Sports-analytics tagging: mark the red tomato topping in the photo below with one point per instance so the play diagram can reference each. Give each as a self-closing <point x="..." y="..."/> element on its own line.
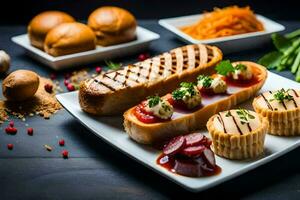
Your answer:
<point x="142" y="115"/>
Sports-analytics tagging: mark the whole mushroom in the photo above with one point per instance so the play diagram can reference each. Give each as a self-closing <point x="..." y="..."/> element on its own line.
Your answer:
<point x="4" y="62"/>
<point x="20" y="85"/>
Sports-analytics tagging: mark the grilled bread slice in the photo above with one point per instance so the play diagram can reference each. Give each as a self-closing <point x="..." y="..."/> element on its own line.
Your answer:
<point x="183" y="123"/>
<point x="114" y="92"/>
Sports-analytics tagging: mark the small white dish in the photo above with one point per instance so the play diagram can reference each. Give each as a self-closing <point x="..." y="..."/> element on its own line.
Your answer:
<point x="228" y="44"/>
<point x="110" y="129"/>
<point x="144" y="38"/>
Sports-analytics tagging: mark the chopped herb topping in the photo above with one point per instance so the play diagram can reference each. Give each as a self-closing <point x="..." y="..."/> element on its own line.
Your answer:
<point x="153" y="101"/>
<point x="205" y="80"/>
<point x="224" y="67"/>
<point x="186" y="89"/>
<point x="282" y="95"/>
<point x="240" y="67"/>
<point x="244" y="115"/>
<point x="228" y="114"/>
<point x="113" y="66"/>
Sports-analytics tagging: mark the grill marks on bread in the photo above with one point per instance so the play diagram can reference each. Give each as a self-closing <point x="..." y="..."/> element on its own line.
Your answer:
<point x="154" y="69"/>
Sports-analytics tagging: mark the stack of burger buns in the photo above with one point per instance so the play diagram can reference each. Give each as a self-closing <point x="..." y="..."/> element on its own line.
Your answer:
<point x="57" y="33"/>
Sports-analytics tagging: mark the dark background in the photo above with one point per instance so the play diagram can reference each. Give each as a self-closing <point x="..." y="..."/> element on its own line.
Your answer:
<point x="20" y="12"/>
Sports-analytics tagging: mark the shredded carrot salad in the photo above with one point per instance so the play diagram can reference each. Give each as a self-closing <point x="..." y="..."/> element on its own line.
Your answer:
<point x="224" y="22"/>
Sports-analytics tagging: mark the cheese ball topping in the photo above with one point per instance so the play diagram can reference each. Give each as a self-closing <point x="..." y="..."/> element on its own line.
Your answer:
<point x="159" y="107"/>
<point x="242" y="72"/>
<point x="216" y="84"/>
<point x="189" y="94"/>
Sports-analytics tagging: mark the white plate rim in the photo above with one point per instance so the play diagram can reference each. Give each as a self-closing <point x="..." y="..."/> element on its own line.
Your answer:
<point x="166" y="24"/>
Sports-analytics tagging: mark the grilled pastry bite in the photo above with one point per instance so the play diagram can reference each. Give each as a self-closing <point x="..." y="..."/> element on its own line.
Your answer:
<point x="114" y="92"/>
<point x="282" y="108"/>
<point x="208" y="84"/>
<point x="188" y="120"/>
<point x="238" y="134"/>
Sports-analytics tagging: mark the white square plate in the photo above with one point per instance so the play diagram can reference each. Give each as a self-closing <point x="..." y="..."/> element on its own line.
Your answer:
<point x="228" y="44"/>
<point x="144" y="37"/>
<point x="111" y="130"/>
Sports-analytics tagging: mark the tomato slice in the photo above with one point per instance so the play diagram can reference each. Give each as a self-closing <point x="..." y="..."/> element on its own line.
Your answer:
<point x="144" y="116"/>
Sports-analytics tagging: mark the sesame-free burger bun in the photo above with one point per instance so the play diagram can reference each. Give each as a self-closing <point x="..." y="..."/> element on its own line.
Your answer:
<point x="41" y="24"/>
<point x="112" y="25"/>
<point x="68" y="38"/>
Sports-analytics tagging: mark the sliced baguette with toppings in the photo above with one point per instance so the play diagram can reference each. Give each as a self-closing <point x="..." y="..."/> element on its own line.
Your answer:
<point x="183" y="123"/>
<point x="114" y="92"/>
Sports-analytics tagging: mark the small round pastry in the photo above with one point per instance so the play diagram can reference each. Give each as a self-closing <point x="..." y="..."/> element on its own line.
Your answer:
<point x="112" y="25"/>
<point x="4" y="62"/>
<point x="282" y="108"/>
<point x="68" y="38"/>
<point x="41" y="24"/>
<point x="20" y="85"/>
<point x="238" y="134"/>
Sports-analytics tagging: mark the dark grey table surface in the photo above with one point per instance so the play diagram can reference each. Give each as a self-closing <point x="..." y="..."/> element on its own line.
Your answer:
<point x="95" y="170"/>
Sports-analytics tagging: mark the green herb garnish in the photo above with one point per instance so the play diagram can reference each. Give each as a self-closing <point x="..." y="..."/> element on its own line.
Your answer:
<point x="153" y="101"/>
<point x="240" y="67"/>
<point x="224" y="67"/>
<point x="186" y="89"/>
<point x="113" y="66"/>
<point x="244" y="115"/>
<point x="286" y="55"/>
<point x="282" y="95"/>
<point x="206" y="80"/>
<point x="228" y="114"/>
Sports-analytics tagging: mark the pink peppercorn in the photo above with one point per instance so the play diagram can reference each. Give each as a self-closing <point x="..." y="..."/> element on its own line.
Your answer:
<point x="10" y="146"/>
<point x="11" y="124"/>
<point x="66" y="82"/>
<point x="65" y="154"/>
<point x="143" y="56"/>
<point x="70" y="87"/>
<point x="98" y="70"/>
<point x="30" y="131"/>
<point x="61" y="142"/>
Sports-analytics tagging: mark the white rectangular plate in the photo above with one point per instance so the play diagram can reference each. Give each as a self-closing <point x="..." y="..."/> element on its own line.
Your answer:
<point x="111" y="130"/>
<point x="228" y="44"/>
<point x="144" y="38"/>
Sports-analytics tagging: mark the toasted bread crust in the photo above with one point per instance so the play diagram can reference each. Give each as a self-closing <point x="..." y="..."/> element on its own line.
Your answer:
<point x="98" y="102"/>
<point x="151" y="133"/>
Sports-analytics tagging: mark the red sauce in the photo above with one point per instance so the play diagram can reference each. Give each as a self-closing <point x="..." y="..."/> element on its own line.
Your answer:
<point x="242" y="83"/>
<point x="187" y="166"/>
<point x="144" y="116"/>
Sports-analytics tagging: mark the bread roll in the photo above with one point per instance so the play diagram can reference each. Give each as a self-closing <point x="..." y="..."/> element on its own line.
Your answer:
<point x="41" y="24"/>
<point x="68" y="38"/>
<point x="112" y="25"/>
<point x="20" y="85"/>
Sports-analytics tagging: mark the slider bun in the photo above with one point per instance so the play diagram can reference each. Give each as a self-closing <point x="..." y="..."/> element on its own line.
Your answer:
<point x="112" y="25"/>
<point x="68" y="38"/>
<point x="41" y="24"/>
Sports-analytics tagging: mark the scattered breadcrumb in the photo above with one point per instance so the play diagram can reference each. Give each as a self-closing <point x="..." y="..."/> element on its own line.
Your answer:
<point x="42" y="103"/>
